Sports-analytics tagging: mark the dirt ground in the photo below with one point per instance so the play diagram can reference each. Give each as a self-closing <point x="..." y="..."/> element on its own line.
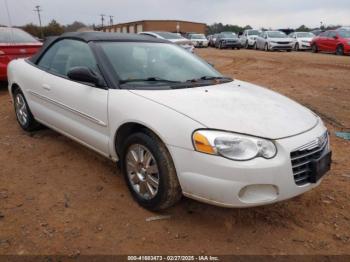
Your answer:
<point x="56" y="197"/>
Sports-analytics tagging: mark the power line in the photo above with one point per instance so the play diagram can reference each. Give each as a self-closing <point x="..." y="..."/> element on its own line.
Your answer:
<point x="38" y="10"/>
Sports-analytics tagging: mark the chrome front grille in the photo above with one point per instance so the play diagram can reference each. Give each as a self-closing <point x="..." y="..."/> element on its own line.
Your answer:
<point x="303" y="156"/>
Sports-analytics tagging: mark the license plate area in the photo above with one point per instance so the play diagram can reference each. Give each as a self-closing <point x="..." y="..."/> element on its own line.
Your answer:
<point x="320" y="167"/>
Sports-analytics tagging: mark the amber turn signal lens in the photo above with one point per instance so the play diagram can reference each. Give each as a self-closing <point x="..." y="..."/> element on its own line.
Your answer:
<point x="202" y="144"/>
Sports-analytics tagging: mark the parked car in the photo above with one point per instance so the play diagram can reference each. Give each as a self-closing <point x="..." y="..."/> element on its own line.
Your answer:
<point x="248" y="38"/>
<point x="15" y="43"/>
<point x="227" y="40"/>
<point x="175" y="124"/>
<point x="212" y="40"/>
<point x="274" y="40"/>
<point x="302" y="40"/>
<point x="334" y="41"/>
<point x="172" y="37"/>
<point x="316" y="32"/>
<point x="344" y="28"/>
<point x="199" y="40"/>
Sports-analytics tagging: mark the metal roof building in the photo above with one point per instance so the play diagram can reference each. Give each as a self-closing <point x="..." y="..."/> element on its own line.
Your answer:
<point x="175" y="26"/>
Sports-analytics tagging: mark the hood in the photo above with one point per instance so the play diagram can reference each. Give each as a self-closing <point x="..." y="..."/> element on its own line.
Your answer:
<point x="281" y="39"/>
<point x="199" y="40"/>
<point x="238" y="107"/>
<point x="229" y="39"/>
<point x="181" y="41"/>
<point x="309" y="39"/>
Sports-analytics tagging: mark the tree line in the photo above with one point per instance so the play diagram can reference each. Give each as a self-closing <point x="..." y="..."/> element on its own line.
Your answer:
<point x="219" y="27"/>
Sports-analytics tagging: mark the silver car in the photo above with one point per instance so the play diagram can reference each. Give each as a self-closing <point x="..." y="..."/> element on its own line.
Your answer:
<point x="249" y="37"/>
<point x="172" y="37"/>
<point x="274" y="40"/>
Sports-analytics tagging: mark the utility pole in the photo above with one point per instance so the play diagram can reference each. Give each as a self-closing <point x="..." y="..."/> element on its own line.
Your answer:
<point x="102" y="19"/>
<point x="111" y="19"/>
<point x="38" y="10"/>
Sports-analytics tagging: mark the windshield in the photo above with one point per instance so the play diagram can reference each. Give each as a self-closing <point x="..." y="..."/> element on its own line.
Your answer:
<point x="305" y="35"/>
<point x="167" y="35"/>
<point x="198" y="36"/>
<point x="228" y="35"/>
<point x="14" y="35"/>
<point x="141" y="63"/>
<point x="254" y="32"/>
<point x="344" y="34"/>
<point x="276" y="34"/>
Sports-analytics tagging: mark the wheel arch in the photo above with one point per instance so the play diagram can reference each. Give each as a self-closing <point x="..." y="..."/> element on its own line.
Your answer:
<point x="131" y="127"/>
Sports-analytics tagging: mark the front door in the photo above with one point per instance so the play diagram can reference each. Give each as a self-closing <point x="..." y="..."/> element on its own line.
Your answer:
<point x="76" y="109"/>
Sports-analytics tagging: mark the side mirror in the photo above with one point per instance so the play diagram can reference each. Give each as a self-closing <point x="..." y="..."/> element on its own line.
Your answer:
<point x="85" y="74"/>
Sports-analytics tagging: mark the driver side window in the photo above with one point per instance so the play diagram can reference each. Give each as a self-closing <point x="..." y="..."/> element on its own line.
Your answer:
<point x="66" y="54"/>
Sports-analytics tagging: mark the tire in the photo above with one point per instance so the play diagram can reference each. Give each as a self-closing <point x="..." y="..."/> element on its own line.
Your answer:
<point x="246" y="45"/>
<point x="220" y="45"/>
<point x="23" y="114"/>
<point x="255" y="46"/>
<point x="296" y="47"/>
<point x="314" y="48"/>
<point x="159" y="195"/>
<point x="266" y="48"/>
<point x="339" y="50"/>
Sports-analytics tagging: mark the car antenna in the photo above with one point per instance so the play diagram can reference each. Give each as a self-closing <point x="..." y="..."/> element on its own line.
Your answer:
<point x="9" y="20"/>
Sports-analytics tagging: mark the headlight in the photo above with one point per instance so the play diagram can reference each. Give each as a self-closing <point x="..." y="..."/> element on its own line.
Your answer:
<point x="233" y="146"/>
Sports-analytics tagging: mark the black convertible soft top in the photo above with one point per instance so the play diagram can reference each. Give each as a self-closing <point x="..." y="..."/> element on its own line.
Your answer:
<point x="96" y="36"/>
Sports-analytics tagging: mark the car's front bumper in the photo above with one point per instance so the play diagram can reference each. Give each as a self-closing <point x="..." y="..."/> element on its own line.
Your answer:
<point x="305" y="45"/>
<point x="223" y="182"/>
<point x="231" y="44"/>
<point x="200" y="43"/>
<point x="276" y="46"/>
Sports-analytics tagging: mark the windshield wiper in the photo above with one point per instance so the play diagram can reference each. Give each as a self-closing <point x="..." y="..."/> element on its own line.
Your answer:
<point x="205" y="78"/>
<point x="149" y="79"/>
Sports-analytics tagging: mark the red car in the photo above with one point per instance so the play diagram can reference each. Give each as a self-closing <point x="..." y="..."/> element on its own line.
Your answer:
<point x="15" y="43"/>
<point x="337" y="42"/>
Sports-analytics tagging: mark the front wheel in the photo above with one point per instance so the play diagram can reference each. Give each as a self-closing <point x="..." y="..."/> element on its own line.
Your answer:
<point x="296" y="48"/>
<point x="314" y="48"/>
<point x="266" y="47"/>
<point x="340" y="50"/>
<point x="149" y="172"/>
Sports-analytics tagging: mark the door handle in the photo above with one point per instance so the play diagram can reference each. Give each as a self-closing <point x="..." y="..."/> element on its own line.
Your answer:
<point x="46" y="87"/>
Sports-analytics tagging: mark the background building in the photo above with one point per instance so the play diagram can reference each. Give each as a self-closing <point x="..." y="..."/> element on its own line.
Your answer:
<point x="174" y="26"/>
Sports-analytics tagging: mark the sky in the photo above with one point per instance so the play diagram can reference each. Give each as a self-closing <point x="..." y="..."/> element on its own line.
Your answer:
<point x="257" y="13"/>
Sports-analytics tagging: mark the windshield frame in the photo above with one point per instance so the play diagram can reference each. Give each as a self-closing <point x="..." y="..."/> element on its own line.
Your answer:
<point x="114" y="80"/>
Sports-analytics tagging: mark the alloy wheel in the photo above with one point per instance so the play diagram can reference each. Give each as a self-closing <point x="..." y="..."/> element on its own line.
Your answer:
<point x="340" y="50"/>
<point x="21" y="110"/>
<point x="142" y="171"/>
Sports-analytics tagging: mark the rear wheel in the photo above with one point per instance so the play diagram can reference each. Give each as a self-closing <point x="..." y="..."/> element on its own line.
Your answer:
<point x="149" y="171"/>
<point x="246" y="45"/>
<point x="340" y="50"/>
<point x="314" y="48"/>
<point x="23" y="114"/>
<point x="255" y="46"/>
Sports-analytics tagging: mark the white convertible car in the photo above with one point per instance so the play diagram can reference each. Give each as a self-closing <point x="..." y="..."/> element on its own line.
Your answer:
<point x="177" y="126"/>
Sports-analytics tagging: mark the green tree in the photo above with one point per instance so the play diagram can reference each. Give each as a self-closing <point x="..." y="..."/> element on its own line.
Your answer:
<point x="53" y="29"/>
